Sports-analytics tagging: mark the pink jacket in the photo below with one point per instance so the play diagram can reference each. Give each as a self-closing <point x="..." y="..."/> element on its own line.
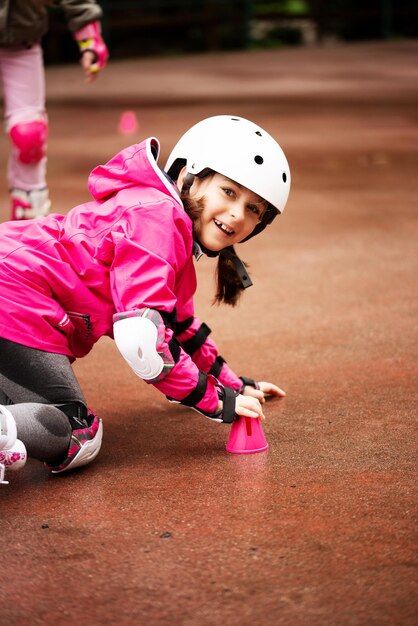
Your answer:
<point x="62" y="278"/>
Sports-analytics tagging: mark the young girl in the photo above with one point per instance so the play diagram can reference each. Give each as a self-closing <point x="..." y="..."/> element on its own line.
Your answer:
<point x="22" y="25"/>
<point x="122" y="266"/>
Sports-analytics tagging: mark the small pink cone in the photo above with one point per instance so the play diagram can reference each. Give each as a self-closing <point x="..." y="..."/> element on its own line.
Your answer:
<point x="246" y="436"/>
<point x="128" y="123"/>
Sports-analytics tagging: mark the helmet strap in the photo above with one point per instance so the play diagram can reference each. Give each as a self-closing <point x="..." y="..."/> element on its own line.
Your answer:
<point x="205" y="250"/>
<point x="187" y="183"/>
<point x="229" y="253"/>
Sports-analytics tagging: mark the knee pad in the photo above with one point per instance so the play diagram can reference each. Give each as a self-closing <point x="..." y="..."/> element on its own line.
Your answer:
<point x="30" y="139"/>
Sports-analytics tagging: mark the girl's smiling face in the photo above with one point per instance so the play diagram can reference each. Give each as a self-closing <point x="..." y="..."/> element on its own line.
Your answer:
<point x="230" y="211"/>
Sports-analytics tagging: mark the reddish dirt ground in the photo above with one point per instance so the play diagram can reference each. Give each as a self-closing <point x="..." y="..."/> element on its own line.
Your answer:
<point x="166" y="527"/>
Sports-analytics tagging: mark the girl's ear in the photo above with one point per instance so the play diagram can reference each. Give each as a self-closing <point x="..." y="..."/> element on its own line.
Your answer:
<point x="180" y="178"/>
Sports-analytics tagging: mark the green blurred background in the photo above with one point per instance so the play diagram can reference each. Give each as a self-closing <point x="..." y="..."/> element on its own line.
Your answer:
<point x="169" y="27"/>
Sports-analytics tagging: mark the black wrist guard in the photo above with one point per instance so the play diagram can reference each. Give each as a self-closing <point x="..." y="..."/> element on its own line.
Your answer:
<point x="250" y="382"/>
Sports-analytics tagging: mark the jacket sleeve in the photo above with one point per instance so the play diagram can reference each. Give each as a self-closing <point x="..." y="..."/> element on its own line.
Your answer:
<point x="193" y="336"/>
<point x="78" y="13"/>
<point x="153" y="266"/>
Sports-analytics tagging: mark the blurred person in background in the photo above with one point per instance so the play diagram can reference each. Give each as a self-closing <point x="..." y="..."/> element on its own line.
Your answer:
<point x="22" y="26"/>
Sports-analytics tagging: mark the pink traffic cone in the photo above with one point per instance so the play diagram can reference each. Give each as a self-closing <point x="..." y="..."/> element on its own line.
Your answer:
<point x="246" y="436"/>
<point x="128" y="123"/>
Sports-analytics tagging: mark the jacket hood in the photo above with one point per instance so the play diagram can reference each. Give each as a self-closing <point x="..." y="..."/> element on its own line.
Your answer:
<point x="133" y="166"/>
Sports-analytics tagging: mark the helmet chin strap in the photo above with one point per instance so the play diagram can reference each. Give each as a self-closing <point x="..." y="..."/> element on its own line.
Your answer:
<point x="227" y="252"/>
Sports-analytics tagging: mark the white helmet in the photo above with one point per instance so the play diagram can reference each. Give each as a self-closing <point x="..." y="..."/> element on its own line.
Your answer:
<point x="240" y="150"/>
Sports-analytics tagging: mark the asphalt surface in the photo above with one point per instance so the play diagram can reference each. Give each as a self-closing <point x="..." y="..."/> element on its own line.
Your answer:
<point x="167" y="527"/>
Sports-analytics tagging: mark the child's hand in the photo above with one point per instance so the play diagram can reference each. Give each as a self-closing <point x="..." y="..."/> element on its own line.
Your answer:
<point x="94" y="53"/>
<point x="87" y="63"/>
<point x="248" y="407"/>
<point x="266" y="390"/>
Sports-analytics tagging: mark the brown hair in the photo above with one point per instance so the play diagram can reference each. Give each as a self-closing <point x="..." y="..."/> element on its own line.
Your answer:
<point x="229" y="287"/>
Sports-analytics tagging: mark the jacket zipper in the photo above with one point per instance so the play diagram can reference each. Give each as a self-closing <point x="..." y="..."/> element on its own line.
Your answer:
<point x="86" y="319"/>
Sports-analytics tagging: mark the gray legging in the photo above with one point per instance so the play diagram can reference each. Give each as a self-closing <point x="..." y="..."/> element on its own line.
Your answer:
<point x="33" y="384"/>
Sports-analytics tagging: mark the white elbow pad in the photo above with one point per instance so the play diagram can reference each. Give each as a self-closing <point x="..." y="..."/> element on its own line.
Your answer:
<point x="136" y="339"/>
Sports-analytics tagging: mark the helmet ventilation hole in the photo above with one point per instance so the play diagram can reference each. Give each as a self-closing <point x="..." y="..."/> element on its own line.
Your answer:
<point x="259" y="159"/>
<point x="284" y="177"/>
<point x="257" y="132"/>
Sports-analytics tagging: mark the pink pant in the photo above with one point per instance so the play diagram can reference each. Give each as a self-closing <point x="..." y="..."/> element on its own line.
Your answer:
<point x="23" y="81"/>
